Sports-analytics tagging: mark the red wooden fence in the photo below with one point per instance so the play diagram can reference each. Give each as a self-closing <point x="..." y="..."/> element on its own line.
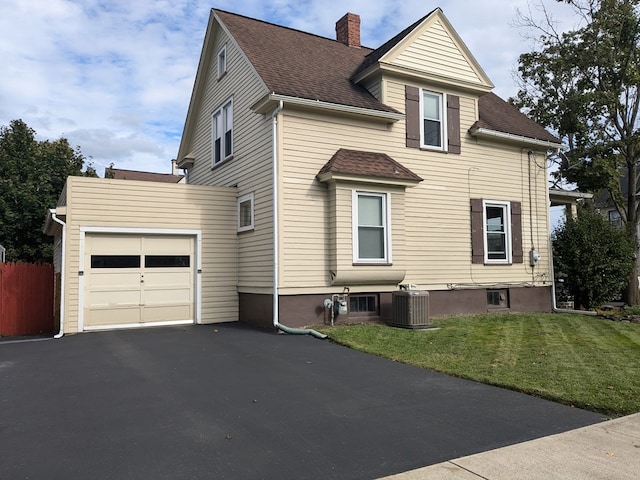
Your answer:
<point x="26" y="299"/>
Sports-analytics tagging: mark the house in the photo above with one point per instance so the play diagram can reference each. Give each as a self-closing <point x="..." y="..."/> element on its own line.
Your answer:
<point x="122" y="174"/>
<point x="320" y="169"/>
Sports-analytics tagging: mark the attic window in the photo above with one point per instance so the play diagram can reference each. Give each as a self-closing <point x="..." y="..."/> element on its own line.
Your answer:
<point x="222" y="61"/>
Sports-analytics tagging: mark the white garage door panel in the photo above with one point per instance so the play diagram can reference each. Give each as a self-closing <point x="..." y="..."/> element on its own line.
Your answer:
<point x="137" y="279"/>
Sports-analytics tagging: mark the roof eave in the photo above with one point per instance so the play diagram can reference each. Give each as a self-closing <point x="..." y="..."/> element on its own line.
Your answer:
<point x="512" y="138"/>
<point x="269" y="102"/>
<point x="331" y="177"/>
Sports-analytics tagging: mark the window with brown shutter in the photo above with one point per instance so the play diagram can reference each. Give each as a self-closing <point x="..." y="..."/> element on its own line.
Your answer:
<point x="423" y="125"/>
<point x="496" y="232"/>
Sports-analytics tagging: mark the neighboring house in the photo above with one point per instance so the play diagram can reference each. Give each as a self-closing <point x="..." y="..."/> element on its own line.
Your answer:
<point x="121" y="174"/>
<point x="350" y="171"/>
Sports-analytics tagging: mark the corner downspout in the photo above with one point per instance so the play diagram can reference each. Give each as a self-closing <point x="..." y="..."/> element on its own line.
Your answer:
<point x="63" y="266"/>
<point x="276" y="259"/>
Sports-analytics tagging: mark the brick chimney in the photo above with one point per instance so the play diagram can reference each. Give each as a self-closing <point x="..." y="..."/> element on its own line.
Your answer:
<point x="348" y="30"/>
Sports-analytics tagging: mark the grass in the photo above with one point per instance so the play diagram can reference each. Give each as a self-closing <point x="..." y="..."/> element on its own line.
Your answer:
<point x="587" y="362"/>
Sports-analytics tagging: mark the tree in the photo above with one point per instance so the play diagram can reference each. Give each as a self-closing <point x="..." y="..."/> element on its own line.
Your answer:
<point x="32" y="176"/>
<point x="585" y="85"/>
<point x="595" y="256"/>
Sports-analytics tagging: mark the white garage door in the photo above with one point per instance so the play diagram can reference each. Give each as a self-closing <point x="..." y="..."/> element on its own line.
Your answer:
<point x="136" y="280"/>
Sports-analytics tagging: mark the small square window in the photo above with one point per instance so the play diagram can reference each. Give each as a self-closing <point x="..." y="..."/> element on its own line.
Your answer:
<point x="363" y="305"/>
<point x="222" y="61"/>
<point x="498" y="298"/>
<point x="245" y="212"/>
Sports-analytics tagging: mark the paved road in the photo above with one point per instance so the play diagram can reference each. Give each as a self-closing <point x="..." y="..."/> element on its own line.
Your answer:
<point x="233" y="402"/>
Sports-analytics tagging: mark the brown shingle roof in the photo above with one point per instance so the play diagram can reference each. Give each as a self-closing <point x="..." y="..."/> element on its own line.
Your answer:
<point x="300" y="64"/>
<point x="120" y="174"/>
<point x="370" y="164"/>
<point x="498" y="115"/>
<point x="303" y="65"/>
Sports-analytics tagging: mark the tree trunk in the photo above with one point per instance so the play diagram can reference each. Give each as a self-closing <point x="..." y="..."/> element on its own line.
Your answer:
<point x="631" y="295"/>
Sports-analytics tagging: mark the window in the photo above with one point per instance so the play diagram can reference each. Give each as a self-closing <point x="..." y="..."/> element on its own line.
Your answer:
<point x="496" y="231"/>
<point x="222" y="126"/>
<point x="615" y="219"/>
<point x="222" y="61"/>
<point x="432" y="120"/>
<point x="432" y="125"/>
<point x="371" y="239"/>
<point x="115" y="261"/>
<point x="245" y="212"/>
<point x="498" y="298"/>
<point x="497" y="237"/>
<point x="363" y="305"/>
<point x="167" y="261"/>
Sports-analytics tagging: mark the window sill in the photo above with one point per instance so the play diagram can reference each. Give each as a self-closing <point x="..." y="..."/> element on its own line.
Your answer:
<point x="372" y="264"/>
<point x="222" y="162"/>
<point x="246" y="230"/>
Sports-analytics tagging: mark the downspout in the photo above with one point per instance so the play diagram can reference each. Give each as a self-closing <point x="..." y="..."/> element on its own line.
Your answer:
<point x="63" y="267"/>
<point x="276" y="260"/>
<point x="554" y="308"/>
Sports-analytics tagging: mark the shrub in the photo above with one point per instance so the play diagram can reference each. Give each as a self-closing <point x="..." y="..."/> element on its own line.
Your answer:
<point x="595" y="257"/>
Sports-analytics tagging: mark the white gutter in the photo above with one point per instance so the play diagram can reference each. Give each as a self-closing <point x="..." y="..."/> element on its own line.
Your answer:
<point x="63" y="267"/>
<point x="305" y="102"/>
<point x="485" y="132"/>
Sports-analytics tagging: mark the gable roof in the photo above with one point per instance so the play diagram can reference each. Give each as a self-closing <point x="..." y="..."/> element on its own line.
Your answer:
<point x="304" y="68"/>
<point x="120" y="174"/>
<point x="301" y="65"/>
<point x="366" y="164"/>
<point x="379" y="52"/>
<point x="499" y="116"/>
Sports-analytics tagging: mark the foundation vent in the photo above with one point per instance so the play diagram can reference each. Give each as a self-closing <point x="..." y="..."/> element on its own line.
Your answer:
<point x="410" y="309"/>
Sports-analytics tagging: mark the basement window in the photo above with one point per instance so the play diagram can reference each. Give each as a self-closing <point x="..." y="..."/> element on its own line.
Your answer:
<point x="363" y="305"/>
<point x="498" y="298"/>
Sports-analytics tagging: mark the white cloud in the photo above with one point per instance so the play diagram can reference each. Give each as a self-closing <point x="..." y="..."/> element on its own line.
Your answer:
<point x="115" y="76"/>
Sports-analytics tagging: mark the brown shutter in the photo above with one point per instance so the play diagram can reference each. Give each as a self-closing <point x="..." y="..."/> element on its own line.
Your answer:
<point x="516" y="232"/>
<point x="412" y="111"/>
<point x="453" y="123"/>
<point x="477" y="231"/>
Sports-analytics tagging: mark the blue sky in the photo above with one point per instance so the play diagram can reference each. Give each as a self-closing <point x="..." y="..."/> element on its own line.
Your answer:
<point x="115" y="76"/>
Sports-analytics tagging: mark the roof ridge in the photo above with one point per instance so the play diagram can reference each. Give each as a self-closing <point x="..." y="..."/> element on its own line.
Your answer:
<point x="297" y="30"/>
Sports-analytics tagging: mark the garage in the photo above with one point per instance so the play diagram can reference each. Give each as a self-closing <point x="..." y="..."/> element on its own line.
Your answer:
<point x="133" y="280"/>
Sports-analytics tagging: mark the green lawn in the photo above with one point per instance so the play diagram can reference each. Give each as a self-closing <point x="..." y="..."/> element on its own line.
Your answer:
<point x="579" y="360"/>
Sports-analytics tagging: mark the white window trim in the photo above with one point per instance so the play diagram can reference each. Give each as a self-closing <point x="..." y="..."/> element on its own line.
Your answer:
<point x="508" y="233"/>
<point x="222" y="54"/>
<point x="443" y="120"/>
<point x="221" y="111"/>
<point x="386" y="205"/>
<point x="244" y="198"/>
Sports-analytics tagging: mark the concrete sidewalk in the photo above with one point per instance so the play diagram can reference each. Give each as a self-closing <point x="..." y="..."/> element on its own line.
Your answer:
<point x="607" y="450"/>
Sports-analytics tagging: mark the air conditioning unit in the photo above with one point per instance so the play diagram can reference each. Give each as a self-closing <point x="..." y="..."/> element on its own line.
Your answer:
<point x="410" y="309"/>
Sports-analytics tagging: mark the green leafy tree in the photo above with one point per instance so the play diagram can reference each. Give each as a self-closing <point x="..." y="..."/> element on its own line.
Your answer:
<point x="594" y="256"/>
<point x="585" y="85"/>
<point x="32" y="176"/>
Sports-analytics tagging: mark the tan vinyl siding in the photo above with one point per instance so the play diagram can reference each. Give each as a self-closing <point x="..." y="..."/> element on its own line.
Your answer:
<point x="436" y="52"/>
<point x="95" y="202"/>
<point x="250" y="169"/>
<point x="433" y="219"/>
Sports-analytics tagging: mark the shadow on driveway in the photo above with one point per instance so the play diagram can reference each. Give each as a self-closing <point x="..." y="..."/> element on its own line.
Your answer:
<point x="232" y="402"/>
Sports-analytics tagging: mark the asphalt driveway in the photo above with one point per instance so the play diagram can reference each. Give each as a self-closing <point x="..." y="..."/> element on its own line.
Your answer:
<point x="233" y="402"/>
